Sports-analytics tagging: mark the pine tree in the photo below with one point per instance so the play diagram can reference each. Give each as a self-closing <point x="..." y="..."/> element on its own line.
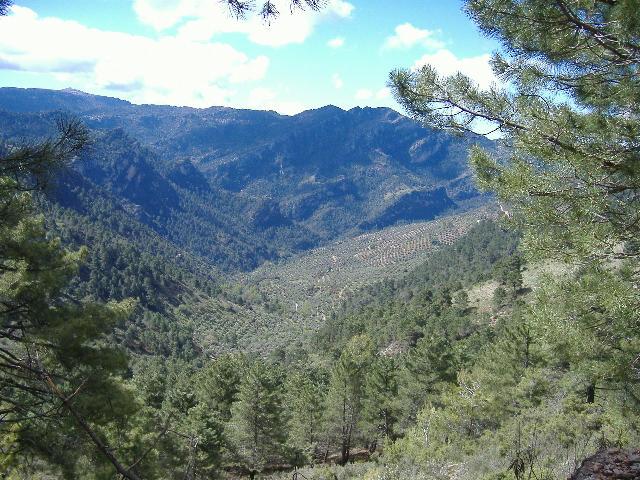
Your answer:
<point x="508" y="272"/>
<point x="305" y="396"/>
<point x="428" y="366"/>
<point x="345" y="395"/>
<point x="257" y="427"/>
<point x="217" y="384"/>
<point x="381" y="409"/>
<point x="58" y="375"/>
<point x="590" y="325"/>
<point x="569" y="111"/>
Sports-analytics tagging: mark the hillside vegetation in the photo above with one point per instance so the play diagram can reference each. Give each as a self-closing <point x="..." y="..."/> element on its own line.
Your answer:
<point x="239" y="187"/>
<point x="219" y="293"/>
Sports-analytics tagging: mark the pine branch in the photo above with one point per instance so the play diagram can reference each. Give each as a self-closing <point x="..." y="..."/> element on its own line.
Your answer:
<point x="240" y="9"/>
<point x="103" y="447"/>
<point x="5" y="5"/>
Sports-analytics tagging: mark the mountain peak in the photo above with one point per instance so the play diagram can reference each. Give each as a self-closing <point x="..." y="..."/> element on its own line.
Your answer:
<point x="75" y="91"/>
<point x="329" y="108"/>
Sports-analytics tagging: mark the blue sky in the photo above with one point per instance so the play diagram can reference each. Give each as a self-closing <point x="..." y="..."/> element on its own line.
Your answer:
<point x="191" y="52"/>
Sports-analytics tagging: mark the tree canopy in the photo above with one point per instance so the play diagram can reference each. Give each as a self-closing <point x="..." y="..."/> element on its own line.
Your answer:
<point x="419" y="374"/>
<point x="567" y="104"/>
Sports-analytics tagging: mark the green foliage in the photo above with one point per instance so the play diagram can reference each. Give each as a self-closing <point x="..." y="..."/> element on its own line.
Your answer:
<point x="305" y="400"/>
<point x="346" y="392"/>
<point x="129" y="260"/>
<point x="508" y="272"/>
<point x="593" y="327"/>
<point x="408" y="367"/>
<point x="217" y="383"/>
<point x="569" y="110"/>
<point x="59" y="377"/>
<point x="257" y="428"/>
<point x="428" y="366"/>
<point x="381" y="409"/>
<point x="558" y="376"/>
<point x="397" y="310"/>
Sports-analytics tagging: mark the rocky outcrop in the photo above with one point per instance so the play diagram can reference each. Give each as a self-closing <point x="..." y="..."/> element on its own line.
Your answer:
<point x="609" y="464"/>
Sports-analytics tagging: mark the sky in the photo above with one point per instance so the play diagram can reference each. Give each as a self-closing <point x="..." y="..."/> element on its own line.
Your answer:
<point x="194" y="53"/>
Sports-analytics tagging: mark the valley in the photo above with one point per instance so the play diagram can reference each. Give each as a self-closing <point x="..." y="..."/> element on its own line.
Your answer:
<point x="286" y="303"/>
<point x="239" y="187"/>
<point x="234" y="293"/>
<point x="252" y="227"/>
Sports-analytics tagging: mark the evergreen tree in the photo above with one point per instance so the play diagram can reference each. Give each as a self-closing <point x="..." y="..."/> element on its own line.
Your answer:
<point x="58" y="375"/>
<point x="196" y="429"/>
<point x="380" y="411"/>
<point x="506" y="365"/>
<point x="569" y="109"/>
<point x="568" y="112"/>
<point x="500" y="297"/>
<point x="428" y="366"/>
<point x="257" y="428"/>
<point x="305" y="396"/>
<point x="589" y="324"/>
<point x="508" y="272"/>
<point x="218" y="383"/>
<point x="345" y="395"/>
<point x="460" y="301"/>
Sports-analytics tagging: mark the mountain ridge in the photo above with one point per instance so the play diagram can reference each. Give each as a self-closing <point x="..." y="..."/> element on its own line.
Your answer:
<point x="256" y="183"/>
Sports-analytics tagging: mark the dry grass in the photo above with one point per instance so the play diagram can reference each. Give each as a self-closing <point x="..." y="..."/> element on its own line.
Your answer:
<point x="481" y="296"/>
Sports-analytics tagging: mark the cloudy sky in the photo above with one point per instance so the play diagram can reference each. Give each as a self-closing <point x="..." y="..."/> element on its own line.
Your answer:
<point x="192" y="52"/>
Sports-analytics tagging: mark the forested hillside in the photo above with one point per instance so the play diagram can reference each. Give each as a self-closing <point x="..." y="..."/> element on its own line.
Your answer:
<point x="154" y="195"/>
<point x="300" y="181"/>
<point x="235" y="294"/>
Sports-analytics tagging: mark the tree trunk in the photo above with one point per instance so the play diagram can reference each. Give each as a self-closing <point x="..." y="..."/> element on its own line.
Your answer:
<point x="346" y="446"/>
<point x="591" y="393"/>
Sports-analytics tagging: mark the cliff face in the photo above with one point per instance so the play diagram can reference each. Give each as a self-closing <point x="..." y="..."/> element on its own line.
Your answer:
<point x="613" y="463"/>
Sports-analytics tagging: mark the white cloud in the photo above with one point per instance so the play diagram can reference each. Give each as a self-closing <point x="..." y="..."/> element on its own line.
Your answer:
<point x="201" y="20"/>
<point x="447" y="63"/>
<point x="168" y="69"/>
<point x="337" y="81"/>
<point x="251" y="70"/>
<point x="407" y="36"/>
<point x="364" y="94"/>
<point x="336" y="42"/>
<point x="341" y="8"/>
<point x="383" y="93"/>
<point x="266" y="99"/>
<point x="161" y="14"/>
<point x="261" y="95"/>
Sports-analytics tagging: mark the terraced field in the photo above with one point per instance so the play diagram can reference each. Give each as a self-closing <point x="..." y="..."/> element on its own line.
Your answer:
<point x="305" y="289"/>
<point x="321" y="278"/>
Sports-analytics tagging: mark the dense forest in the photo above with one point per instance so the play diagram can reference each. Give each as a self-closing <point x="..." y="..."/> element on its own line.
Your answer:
<point x="135" y="344"/>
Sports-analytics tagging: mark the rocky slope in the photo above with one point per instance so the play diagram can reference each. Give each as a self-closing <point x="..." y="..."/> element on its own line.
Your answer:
<point x="613" y="463"/>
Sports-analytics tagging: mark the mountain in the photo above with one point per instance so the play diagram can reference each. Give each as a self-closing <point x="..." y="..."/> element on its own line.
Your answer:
<point x="238" y="187"/>
<point x="175" y="203"/>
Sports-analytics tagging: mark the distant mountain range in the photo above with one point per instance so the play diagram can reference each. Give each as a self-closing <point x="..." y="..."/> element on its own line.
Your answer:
<point x="238" y="187"/>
